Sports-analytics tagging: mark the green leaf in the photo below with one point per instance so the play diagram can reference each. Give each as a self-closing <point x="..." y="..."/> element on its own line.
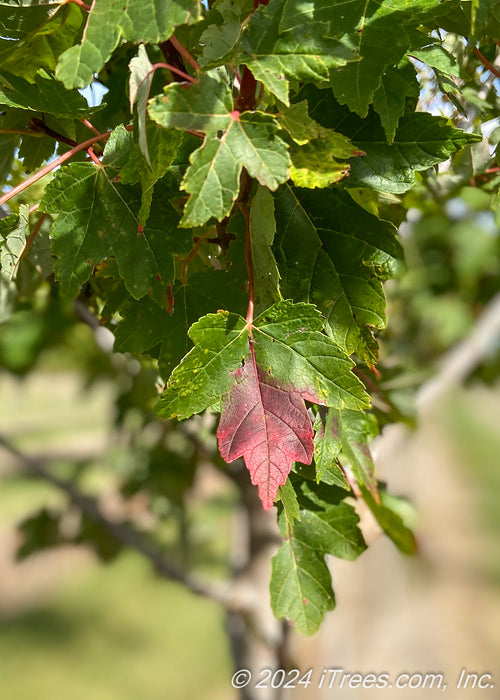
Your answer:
<point x="301" y="587"/>
<point x="421" y="141"/>
<point x="152" y="21"/>
<point x="262" y="230"/>
<point x="354" y="430"/>
<point x="221" y="37"/>
<point x="78" y="233"/>
<point x="347" y="255"/>
<point x="141" y="77"/>
<point x="123" y="151"/>
<point x="213" y="178"/>
<point x="205" y="106"/>
<point x="314" y="165"/>
<point x="45" y="95"/>
<point x="145" y="324"/>
<point x="315" y="151"/>
<point x="287" y="496"/>
<point x="221" y="343"/>
<point x="148" y="21"/>
<point x="34" y="151"/>
<point x="305" y="54"/>
<point x="387" y="515"/>
<point x="289" y="344"/>
<point x="13" y="233"/>
<point x="302" y="129"/>
<point x="96" y="218"/>
<point x="33" y="35"/>
<point x="327" y="447"/>
<point x="301" y="583"/>
<point x="377" y="31"/>
<point x="39" y="531"/>
<point x="389" y="99"/>
<point x="437" y="57"/>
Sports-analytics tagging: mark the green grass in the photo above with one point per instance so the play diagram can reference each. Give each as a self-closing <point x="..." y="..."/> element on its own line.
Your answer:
<point x="118" y="633"/>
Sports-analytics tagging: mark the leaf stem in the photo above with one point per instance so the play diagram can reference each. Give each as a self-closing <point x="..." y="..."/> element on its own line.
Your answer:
<point x="52" y="166"/>
<point x="172" y="69"/>
<point x="184" y="53"/>
<point x="248" y="258"/>
<point x="486" y="63"/>
<point x="93" y="157"/>
<point x="39" y="125"/>
<point x="90" y="126"/>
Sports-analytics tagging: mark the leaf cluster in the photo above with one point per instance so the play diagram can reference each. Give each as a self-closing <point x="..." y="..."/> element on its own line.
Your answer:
<point x="230" y="213"/>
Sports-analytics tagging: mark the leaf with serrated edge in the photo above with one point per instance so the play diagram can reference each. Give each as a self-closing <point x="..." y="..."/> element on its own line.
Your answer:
<point x="314" y="165"/>
<point x="97" y="217"/>
<point x="301" y="583"/>
<point x="289" y="344"/>
<point x="262" y="230"/>
<point x="421" y="141"/>
<point x="12" y="245"/>
<point x="287" y="357"/>
<point x="149" y="21"/>
<point x="141" y="77"/>
<point x="266" y="424"/>
<point x="327" y="448"/>
<point x="377" y="31"/>
<point x="213" y="178"/>
<point x="354" y="429"/>
<point x="348" y="253"/>
<point x="206" y="106"/>
<point x="304" y="54"/>
<point x="203" y="376"/>
<point x="45" y="95"/>
<point x="389" y="99"/>
<point x="42" y="31"/>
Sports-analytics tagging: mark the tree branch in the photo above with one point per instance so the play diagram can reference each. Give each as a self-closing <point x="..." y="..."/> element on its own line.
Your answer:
<point x="487" y="63"/>
<point x="184" y="53"/>
<point x="461" y="360"/>
<point x="224" y="593"/>
<point x="54" y="164"/>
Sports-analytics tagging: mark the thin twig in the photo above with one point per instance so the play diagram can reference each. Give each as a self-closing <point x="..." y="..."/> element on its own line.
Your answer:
<point x="90" y="126"/>
<point x="458" y="363"/>
<point x="248" y="258"/>
<point x="184" y="53"/>
<point x="487" y="63"/>
<point x="93" y="157"/>
<point x="127" y="535"/>
<point x="39" y="125"/>
<point x="51" y="166"/>
<point x="172" y="69"/>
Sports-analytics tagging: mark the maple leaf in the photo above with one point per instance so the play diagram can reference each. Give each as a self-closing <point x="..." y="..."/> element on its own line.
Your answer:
<point x="266" y="424"/>
<point x="262" y="379"/>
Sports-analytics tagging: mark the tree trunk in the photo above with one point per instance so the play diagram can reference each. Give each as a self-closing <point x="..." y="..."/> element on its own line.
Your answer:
<point x="258" y="639"/>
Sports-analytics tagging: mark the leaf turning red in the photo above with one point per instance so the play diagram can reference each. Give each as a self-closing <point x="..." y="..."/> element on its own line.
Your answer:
<point x="266" y="424"/>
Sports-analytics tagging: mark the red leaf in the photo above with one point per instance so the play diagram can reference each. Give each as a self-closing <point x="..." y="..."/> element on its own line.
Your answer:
<point x="267" y="425"/>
